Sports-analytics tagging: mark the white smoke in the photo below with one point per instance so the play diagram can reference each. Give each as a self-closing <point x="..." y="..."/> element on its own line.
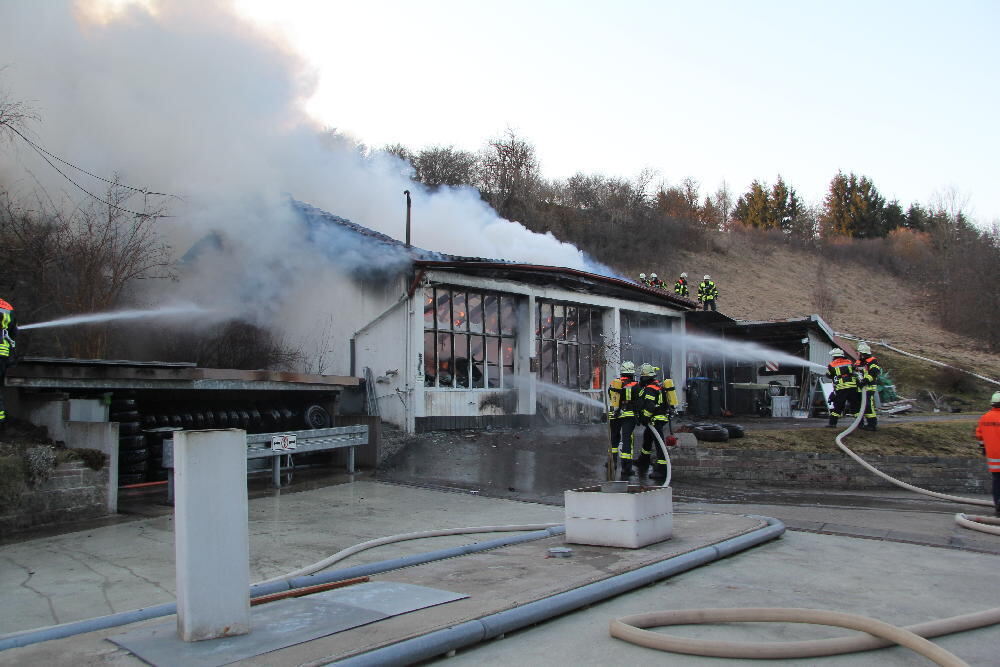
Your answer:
<point x="186" y="97"/>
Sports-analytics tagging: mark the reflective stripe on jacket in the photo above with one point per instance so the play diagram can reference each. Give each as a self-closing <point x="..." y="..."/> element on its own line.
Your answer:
<point x="654" y="408"/>
<point x="8" y="329"/>
<point x="707" y="291"/>
<point x="988" y="433"/>
<point x="841" y="371"/>
<point x="681" y="287"/>
<point x="868" y="368"/>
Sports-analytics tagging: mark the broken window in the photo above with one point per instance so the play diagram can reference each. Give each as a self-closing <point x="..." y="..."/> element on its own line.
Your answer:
<point x="468" y="338"/>
<point x="568" y="341"/>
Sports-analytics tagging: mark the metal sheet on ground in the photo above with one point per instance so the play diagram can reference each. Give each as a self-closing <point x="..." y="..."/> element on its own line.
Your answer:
<point x="285" y="623"/>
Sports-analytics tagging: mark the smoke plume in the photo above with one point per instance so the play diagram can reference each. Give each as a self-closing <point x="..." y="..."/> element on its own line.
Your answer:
<point x="186" y="97"/>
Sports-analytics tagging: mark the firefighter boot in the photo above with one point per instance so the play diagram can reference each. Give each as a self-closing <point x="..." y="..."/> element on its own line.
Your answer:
<point x="832" y="423"/>
<point x="872" y="424"/>
<point x="627" y="470"/>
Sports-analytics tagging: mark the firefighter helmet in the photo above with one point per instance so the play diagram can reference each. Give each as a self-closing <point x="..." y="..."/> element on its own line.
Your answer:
<point x="647" y="370"/>
<point x="836" y="352"/>
<point x="684" y="274"/>
<point x="628" y="368"/>
<point x="996" y="398"/>
<point x="642" y="276"/>
<point x="864" y="348"/>
<point x="707" y="277"/>
<point x="653" y="276"/>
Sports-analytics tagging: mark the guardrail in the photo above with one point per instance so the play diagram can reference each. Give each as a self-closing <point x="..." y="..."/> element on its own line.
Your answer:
<point x="276" y="445"/>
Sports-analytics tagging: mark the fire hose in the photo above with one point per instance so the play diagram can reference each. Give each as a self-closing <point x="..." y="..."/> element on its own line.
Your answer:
<point x="880" y="634"/>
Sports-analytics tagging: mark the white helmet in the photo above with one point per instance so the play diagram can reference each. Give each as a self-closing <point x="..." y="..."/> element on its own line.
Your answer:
<point x="864" y="348"/>
<point x="836" y="352"/>
<point x="996" y="398"/>
<point x="628" y="368"/>
<point x="652" y="275"/>
<point x="642" y="276"/>
<point x="683" y="275"/>
<point x="647" y="370"/>
<point x="708" y="277"/>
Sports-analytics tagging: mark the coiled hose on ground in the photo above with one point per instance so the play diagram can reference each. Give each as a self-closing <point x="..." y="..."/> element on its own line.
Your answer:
<point x="880" y="634"/>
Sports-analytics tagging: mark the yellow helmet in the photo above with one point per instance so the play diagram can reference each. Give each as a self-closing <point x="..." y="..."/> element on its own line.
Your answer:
<point x="836" y="352"/>
<point x="647" y="370"/>
<point x="628" y="368"/>
<point x="864" y="348"/>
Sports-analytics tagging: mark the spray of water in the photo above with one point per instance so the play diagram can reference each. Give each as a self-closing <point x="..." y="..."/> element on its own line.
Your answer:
<point x="721" y="348"/>
<point x="567" y="394"/>
<point x="94" y="318"/>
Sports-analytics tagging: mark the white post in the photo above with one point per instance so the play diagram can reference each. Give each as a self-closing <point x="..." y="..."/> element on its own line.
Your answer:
<point x="211" y="534"/>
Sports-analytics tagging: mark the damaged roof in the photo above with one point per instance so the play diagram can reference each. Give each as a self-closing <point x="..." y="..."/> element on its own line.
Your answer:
<point x="574" y="279"/>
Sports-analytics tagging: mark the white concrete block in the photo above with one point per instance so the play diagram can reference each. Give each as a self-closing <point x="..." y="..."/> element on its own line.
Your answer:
<point x="634" y="519"/>
<point x="211" y="534"/>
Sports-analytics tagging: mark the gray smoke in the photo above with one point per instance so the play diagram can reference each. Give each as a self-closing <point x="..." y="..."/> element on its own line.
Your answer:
<point x="188" y="98"/>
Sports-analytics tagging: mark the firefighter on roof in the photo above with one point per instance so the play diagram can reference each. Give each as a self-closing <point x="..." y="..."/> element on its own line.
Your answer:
<point x="708" y="293"/>
<point x="681" y="286"/>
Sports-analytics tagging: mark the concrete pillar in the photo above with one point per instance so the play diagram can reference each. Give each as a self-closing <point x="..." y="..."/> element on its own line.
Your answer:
<point x="104" y="437"/>
<point x="211" y="534"/>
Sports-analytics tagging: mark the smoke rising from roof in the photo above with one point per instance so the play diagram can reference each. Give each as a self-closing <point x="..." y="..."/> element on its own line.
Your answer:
<point x="186" y="97"/>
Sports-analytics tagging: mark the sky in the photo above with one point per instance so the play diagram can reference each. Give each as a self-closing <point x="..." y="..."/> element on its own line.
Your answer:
<point x="904" y="92"/>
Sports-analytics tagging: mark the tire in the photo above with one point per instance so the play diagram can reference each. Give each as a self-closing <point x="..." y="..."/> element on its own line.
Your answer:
<point x="133" y="455"/>
<point x="129" y="428"/>
<point x="735" y="430"/>
<point x="711" y="433"/>
<point x="134" y="467"/>
<point x="131" y="442"/>
<point x="131" y="478"/>
<point x="316" y="416"/>
<point x="124" y="416"/>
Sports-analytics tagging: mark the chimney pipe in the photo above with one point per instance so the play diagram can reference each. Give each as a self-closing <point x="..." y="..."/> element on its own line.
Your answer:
<point x="408" y="205"/>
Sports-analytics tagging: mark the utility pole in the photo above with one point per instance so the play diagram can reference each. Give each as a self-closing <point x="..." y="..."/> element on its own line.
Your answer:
<point x="408" y="206"/>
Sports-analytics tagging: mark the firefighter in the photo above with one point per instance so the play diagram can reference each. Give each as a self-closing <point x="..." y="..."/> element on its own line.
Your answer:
<point x="845" y="386"/>
<point x="656" y="409"/>
<point x="626" y="416"/>
<point x="621" y="416"/>
<point x="708" y="293"/>
<point x="655" y="282"/>
<point x="8" y="332"/>
<point x="681" y="286"/>
<point x="988" y="435"/>
<point x="643" y="280"/>
<point x="868" y="370"/>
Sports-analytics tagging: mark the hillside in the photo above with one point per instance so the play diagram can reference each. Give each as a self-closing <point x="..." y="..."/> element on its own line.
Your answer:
<point x="763" y="281"/>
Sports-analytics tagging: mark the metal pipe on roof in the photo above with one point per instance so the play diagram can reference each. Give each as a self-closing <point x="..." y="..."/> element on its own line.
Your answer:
<point x="408" y="207"/>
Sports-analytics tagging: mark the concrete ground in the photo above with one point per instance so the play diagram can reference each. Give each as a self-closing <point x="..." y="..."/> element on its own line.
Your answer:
<point x="878" y="556"/>
<point x="892" y="554"/>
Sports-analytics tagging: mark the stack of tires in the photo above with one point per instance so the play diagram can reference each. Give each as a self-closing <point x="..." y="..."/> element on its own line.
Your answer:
<point x="133" y="454"/>
<point x="710" y="432"/>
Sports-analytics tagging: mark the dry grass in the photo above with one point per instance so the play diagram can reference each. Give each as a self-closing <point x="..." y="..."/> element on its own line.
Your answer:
<point x="946" y="438"/>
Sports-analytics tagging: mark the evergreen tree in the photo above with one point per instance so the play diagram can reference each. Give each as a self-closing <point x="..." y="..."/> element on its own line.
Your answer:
<point x="853" y="207"/>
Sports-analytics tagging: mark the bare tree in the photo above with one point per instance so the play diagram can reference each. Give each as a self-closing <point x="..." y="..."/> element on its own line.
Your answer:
<point x="509" y="175"/>
<point x="445" y="165"/>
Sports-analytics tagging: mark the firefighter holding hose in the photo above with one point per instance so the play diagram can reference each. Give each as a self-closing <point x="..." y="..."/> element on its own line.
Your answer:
<point x="868" y="372"/>
<point x="657" y="401"/>
<point x="845" y="397"/>
<point x="988" y="435"/>
<point x="8" y="332"/>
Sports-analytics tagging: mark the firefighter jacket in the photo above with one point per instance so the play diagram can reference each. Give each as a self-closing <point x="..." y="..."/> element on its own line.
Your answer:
<point x="8" y="329"/>
<point x="868" y="369"/>
<point x="841" y="371"/>
<point x="623" y="395"/>
<point x="988" y="435"/>
<point x="707" y="291"/>
<point x="681" y="287"/>
<point x="654" y="406"/>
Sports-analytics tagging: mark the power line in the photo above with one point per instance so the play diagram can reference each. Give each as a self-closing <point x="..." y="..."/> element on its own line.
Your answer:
<point x="45" y="156"/>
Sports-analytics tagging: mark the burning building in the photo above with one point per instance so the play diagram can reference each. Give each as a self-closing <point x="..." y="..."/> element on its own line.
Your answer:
<point x="464" y="342"/>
